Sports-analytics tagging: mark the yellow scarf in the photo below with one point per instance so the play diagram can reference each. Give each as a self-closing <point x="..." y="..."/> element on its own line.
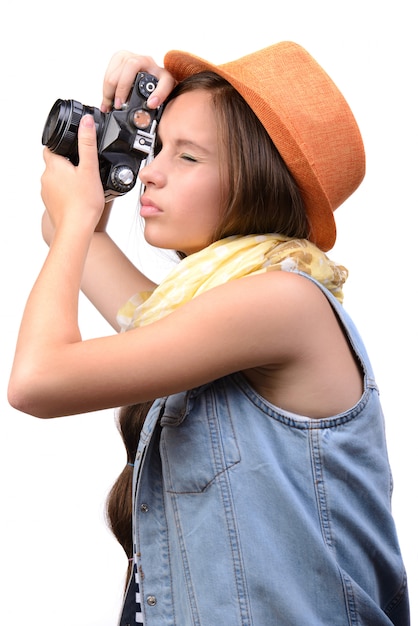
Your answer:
<point x="225" y="260"/>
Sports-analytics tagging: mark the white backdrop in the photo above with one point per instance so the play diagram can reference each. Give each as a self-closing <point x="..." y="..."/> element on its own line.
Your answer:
<point x="59" y="563"/>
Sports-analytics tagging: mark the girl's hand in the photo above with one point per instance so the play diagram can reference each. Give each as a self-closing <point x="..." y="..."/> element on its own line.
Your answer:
<point x="120" y="75"/>
<point x="70" y="191"/>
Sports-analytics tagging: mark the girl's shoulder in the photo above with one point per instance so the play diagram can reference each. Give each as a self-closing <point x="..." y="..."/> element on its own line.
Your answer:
<point x="309" y="367"/>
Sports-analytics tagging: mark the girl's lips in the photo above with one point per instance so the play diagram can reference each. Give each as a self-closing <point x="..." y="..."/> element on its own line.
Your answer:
<point x="148" y="208"/>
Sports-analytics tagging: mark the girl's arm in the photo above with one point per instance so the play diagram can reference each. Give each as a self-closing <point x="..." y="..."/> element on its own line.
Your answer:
<point x="109" y="278"/>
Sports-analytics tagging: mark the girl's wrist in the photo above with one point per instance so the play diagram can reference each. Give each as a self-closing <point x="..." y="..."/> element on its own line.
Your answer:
<point x="103" y="221"/>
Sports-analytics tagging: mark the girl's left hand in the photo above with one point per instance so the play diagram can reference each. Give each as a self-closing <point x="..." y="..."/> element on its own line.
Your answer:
<point x="70" y="191"/>
<point x="120" y="75"/>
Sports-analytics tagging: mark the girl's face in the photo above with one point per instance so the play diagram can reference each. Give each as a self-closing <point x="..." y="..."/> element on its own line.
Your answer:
<point x="181" y="203"/>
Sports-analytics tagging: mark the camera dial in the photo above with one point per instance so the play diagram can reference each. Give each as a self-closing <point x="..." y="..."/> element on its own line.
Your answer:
<point x="123" y="178"/>
<point x="141" y="119"/>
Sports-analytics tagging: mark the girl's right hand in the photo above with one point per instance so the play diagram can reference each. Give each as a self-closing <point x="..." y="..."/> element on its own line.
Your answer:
<point x="120" y="76"/>
<point x="74" y="192"/>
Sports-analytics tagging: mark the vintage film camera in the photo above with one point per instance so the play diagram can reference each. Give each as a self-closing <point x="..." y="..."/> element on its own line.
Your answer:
<point x="125" y="137"/>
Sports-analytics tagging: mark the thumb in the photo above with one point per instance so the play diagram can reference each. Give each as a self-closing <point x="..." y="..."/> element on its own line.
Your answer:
<point x="87" y="141"/>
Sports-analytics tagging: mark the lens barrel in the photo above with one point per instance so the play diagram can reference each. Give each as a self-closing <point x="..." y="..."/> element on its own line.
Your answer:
<point x="61" y="127"/>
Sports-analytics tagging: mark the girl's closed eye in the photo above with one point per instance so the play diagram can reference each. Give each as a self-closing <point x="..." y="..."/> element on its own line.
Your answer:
<point x="189" y="157"/>
<point x="158" y="146"/>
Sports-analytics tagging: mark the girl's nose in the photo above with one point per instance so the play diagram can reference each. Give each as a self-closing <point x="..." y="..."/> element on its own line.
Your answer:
<point x="151" y="173"/>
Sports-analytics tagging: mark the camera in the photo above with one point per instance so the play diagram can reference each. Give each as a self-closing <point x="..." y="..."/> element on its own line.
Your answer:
<point x="125" y="137"/>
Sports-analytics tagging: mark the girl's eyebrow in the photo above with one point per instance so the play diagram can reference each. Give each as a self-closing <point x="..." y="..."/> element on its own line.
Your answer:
<point x="182" y="143"/>
<point x="189" y="143"/>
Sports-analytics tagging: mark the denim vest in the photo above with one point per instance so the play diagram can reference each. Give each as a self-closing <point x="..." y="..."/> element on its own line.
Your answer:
<point x="248" y="515"/>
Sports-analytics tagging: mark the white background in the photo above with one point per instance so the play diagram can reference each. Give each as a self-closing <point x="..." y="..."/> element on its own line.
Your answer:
<point x="59" y="563"/>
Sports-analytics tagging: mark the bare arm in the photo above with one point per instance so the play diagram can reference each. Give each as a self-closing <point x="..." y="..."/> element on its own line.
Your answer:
<point x="109" y="278"/>
<point x="56" y="373"/>
<point x="283" y="334"/>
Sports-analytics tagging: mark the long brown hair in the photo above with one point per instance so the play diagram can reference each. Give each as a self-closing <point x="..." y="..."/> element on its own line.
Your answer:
<point x="262" y="197"/>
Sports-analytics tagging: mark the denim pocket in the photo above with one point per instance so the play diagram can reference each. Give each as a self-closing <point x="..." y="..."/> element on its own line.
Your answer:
<point x="198" y="441"/>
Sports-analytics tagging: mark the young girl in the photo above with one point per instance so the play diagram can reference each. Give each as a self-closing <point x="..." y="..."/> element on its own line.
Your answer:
<point x="257" y="464"/>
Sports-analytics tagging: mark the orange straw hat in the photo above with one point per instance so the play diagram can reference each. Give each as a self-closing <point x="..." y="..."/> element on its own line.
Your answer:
<point x="307" y="118"/>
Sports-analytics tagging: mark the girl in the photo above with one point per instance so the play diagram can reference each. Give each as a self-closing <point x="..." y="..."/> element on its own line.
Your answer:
<point x="257" y="462"/>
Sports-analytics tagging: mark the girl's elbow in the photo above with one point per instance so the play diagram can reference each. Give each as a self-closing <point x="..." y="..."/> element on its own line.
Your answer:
<point x="24" y="396"/>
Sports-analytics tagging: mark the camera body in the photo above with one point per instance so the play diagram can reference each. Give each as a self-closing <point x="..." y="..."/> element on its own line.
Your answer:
<point x="125" y="137"/>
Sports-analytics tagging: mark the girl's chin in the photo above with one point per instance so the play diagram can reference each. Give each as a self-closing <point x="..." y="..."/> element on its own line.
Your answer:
<point x="157" y="239"/>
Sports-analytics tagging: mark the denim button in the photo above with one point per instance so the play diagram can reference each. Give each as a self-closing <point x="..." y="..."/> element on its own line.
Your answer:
<point x="151" y="600"/>
<point x="144" y="507"/>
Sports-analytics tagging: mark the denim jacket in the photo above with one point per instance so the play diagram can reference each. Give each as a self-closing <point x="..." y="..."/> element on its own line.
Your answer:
<point x="249" y="515"/>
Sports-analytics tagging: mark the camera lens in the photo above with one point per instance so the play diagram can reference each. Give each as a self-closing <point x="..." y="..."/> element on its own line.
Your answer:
<point x="60" y="131"/>
<point x="61" y="127"/>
